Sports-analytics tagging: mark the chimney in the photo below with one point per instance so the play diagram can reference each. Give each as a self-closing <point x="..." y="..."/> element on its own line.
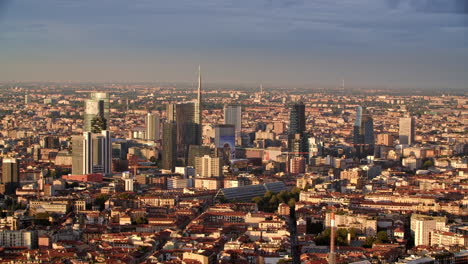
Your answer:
<point x="332" y="255"/>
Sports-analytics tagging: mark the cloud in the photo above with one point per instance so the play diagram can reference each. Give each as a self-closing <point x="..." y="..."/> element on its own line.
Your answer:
<point x="432" y="6"/>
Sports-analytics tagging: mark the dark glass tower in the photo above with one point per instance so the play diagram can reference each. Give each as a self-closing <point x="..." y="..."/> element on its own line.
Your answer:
<point x="10" y="176"/>
<point x="188" y="130"/>
<point x="363" y="139"/>
<point x="297" y="137"/>
<point x="297" y="119"/>
<point x="169" y="155"/>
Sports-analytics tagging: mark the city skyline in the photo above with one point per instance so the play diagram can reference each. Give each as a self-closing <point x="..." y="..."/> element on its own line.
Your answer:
<point x="369" y="44"/>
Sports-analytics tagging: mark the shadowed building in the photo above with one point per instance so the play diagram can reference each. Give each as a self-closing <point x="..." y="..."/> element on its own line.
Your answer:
<point x="10" y="176"/>
<point x="363" y="139"/>
<point x="406" y="133"/>
<point x="233" y="116"/>
<point x="169" y="153"/>
<point x="188" y="131"/>
<point x="297" y="136"/>
<point x="92" y="153"/>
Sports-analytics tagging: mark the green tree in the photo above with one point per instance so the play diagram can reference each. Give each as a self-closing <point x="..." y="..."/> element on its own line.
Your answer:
<point x="353" y="232"/>
<point x="101" y="200"/>
<point x="269" y="194"/>
<point x="369" y="241"/>
<point x="427" y="164"/>
<point x="98" y="124"/>
<point x="141" y="220"/>
<point x="382" y="237"/>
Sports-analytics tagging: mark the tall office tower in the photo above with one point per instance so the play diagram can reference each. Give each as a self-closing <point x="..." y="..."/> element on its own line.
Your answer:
<point x="106" y="144"/>
<point x="233" y="116"/>
<point x="96" y="115"/>
<point x="169" y="154"/>
<point x="10" y="176"/>
<point x="225" y="138"/>
<point x="152" y="126"/>
<point x="87" y="153"/>
<point x="406" y="134"/>
<point x="188" y="132"/>
<point x="26" y="99"/>
<point x="297" y="138"/>
<point x="363" y="133"/>
<point x="297" y="118"/>
<point x="207" y="167"/>
<point x="92" y="153"/>
<point x="77" y="155"/>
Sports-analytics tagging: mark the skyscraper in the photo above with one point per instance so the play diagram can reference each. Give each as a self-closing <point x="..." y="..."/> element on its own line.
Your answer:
<point x="297" y="137"/>
<point x="297" y="118"/>
<point x="77" y="155"/>
<point x="169" y="154"/>
<point x="10" y="176"/>
<point x="188" y="131"/>
<point x="96" y="115"/>
<point x="363" y="133"/>
<point x="152" y="126"/>
<point x="233" y="116"/>
<point x="406" y="133"/>
<point x="92" y="153"/>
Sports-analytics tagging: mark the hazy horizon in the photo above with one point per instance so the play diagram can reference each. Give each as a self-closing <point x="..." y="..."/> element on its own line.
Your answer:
<point x="381" y="44"/>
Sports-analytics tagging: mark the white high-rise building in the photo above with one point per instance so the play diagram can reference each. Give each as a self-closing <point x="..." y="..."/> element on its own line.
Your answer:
<point x="315" y="147"/>
<point x="233" y="116"/>
<point x="152" y="126"/>
<point x="128" y="180"/>
<point x="207" y="167"/>
<point x="406" y="134"/>
<point x="422" y="225"/>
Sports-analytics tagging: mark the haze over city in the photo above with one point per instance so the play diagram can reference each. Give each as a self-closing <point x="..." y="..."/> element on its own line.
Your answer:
<point x="233" y="132"/>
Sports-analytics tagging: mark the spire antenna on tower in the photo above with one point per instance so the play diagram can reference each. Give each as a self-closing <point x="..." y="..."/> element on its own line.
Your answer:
<point x="199" y="84"/>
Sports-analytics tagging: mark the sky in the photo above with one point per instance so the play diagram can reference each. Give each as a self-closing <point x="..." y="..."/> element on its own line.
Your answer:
<point x="367" y="43"/>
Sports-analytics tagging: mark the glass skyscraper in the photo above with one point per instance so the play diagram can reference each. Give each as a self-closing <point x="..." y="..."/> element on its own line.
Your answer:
<point x="169" y="154"/>
<point x="363" y="138"/>
<point x="96" y="112"/>
<point x="297" y="137"/>
<point x="188" y="130"/>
